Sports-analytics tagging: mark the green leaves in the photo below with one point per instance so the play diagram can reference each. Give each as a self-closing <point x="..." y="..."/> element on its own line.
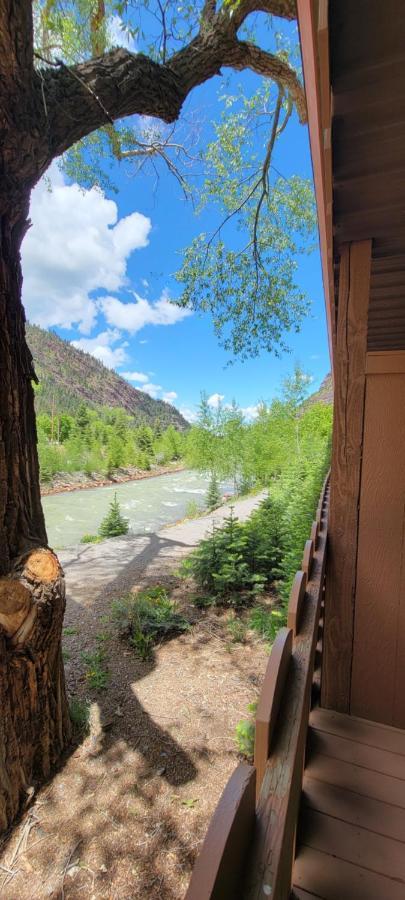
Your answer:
<point x="243" y="273"/>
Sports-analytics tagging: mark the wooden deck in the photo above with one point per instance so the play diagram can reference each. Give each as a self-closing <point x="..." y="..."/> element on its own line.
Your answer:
<point x="351" y="832"/>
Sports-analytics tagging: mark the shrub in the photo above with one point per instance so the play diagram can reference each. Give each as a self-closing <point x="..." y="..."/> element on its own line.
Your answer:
<point x="96" y="673"/>
<point x="245" y="733"/>
<point x="80" y="715"/>
<point x="237" y="631"/>
<point x="90" y="539"/>
<point x="114" y="523"/>
<point x="266" y="622"/>
<point x="147" y="617"/>
<point x="192" y="510"/>
<point x="237" y="558"/>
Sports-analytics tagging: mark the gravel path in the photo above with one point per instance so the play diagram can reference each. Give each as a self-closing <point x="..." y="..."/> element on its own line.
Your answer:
<point x="118" y="562"/>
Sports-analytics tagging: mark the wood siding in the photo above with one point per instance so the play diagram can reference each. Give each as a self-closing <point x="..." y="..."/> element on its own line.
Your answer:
<point x="378" y="674"/>
<point x="351" y="347"/>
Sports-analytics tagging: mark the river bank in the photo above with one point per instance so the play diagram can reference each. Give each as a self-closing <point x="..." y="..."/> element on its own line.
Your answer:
<point x="65" y="482"/>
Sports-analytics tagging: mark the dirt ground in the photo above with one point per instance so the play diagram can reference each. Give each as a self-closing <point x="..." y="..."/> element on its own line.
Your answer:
<point x="126" y="814"/>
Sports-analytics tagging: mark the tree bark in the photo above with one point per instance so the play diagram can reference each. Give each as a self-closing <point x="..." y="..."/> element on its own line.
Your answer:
<point x="21" y="518"/>
<point x="34" y="725"/>
<point x="34" y="718"/>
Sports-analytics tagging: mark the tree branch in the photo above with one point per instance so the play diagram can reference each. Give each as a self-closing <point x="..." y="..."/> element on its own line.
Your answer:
<point x="286" y="9"/>
<point x="81" y="98"/>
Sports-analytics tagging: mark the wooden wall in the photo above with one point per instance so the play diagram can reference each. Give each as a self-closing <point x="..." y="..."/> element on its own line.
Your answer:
<point x="378" y="672"/>
<point x="349" y="377"/>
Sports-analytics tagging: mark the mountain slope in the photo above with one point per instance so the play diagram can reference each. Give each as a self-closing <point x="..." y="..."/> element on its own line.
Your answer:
<point x="325" y="392"/>
<point x="69" y="376"/>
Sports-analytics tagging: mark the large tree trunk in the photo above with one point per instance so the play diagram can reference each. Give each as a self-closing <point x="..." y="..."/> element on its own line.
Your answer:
<point x="34" y="719"/>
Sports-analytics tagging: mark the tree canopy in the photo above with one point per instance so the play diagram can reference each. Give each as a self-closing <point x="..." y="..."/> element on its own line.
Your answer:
<point x="87" y="100"/>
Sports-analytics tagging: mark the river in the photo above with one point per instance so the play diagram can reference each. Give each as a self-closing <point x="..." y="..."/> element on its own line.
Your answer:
<point x="148" y="504"/>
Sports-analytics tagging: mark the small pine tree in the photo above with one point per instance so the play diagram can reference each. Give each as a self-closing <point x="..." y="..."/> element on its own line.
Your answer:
<point x="114" y="523"/>
<point x="213" y="494"/>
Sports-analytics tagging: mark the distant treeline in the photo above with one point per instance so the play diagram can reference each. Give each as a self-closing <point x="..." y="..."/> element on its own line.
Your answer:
<point x="101" y="441"/>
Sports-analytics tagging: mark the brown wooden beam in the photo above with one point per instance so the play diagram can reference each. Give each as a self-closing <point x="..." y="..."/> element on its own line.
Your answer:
<point x="350" y="367"/>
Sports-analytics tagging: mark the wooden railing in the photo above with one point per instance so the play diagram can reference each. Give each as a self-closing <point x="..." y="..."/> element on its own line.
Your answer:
<point x="249" y="850"/>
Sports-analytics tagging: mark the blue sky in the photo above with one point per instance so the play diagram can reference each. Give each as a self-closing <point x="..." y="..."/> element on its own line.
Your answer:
<point x="87" y="254"/>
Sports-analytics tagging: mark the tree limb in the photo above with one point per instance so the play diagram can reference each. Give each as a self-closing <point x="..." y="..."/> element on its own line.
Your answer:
<point x="82" y="98"/>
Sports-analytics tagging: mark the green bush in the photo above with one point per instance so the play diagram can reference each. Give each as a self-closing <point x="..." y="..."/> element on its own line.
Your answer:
<point x="90" y="539"/>
<point x="266" y="622"/>
<point x="96" y="673"/>
<point x="147" y="617"/>
<point x="193" y="510"/>
<point x="114" y="523"/>
<point x="237" y="631"/>
<point x="237" y="560"/>
<point x="80" y="715"/>
<point x="245" y="733"/>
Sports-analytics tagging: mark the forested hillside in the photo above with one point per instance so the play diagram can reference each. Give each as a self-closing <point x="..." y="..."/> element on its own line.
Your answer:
<point x="68" y="377"/>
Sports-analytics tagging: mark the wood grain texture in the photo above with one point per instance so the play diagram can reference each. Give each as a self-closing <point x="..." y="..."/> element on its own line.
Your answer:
<point x="375" y="852"/>
<point x="218" y="870"/>
<point x="314" y="533"/>
<point x="270" y="864"/>
<point x="363" y="812"/>
<point x="335" y="879"/>
<point x="351" y="347"/>
<point x="379" y="623"/>
<point x="270" y="700"/>
<point x="373" y="734"/>
<point x="357" y="778"/>
<point x="296" y="601"/>
<point x="307" y="558"/>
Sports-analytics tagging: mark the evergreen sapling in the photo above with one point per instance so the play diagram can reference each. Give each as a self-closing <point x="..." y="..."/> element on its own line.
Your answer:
<point x="114" y="523"/>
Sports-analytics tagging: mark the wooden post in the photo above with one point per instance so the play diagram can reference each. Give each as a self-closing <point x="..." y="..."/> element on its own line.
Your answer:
<point x="349" y="372"/>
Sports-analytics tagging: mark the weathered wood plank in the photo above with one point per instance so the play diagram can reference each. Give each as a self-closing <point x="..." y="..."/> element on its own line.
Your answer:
<point x="375" y="734"/>
<point x="307" y="558"/>
<point x="379" y="854"/>
<point x="270" y="700"/>
<point x="379" y="621"/>
<point x="270" y="862"/>
<point x="364" y="812"/>
<point x="296" y="601"/>
<point x="358" y="779"/>
<point x="218" y="870"/>
<point x="335" y="879"/>
<point x="372" y="758"/>
<point x="315" y="533"/>
<point x="350" y="366"/>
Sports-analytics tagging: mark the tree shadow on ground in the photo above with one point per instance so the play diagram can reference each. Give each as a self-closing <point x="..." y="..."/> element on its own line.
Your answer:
<point x="113" y="781"/>
<point x="124" y="816"/>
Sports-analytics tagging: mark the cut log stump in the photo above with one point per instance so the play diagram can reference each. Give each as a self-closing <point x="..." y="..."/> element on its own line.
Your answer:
<point x="34" y="719"/>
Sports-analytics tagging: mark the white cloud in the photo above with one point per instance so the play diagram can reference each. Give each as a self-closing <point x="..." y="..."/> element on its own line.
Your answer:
<point x="101" y="346"/>
<point x="169" y="396"/>
<point x="135" y="376"/>
<point x="250" y="412"/>
<point x="135" y="315"/>
<point x="143" y="342"/>
<point x="118" y="34"/>
<point x="189" y="414"/>
<point x="215" y="399"/>
<point x="145" y="283"/>
<point x="152" y="389"/>
<point x="77" y="245"/>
